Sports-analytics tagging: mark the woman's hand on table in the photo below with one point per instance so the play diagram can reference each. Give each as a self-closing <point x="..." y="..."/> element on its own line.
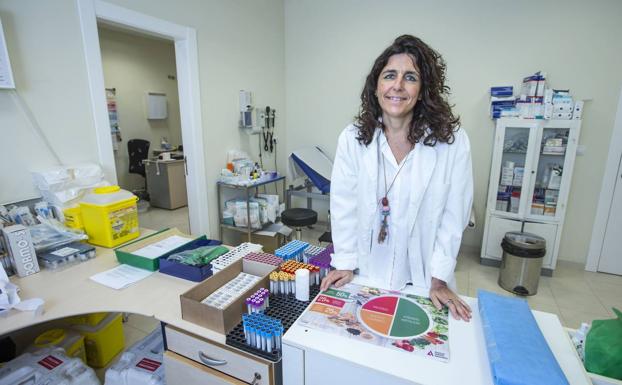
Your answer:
<point x="337" y="277"/>
<point x="441" y="296"/>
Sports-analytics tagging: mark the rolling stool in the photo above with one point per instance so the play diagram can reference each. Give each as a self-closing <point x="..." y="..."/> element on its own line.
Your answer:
<point x="297" y="218"/>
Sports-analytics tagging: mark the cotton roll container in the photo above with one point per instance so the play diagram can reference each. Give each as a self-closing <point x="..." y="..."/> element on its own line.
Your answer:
<point x="302" y="285"/>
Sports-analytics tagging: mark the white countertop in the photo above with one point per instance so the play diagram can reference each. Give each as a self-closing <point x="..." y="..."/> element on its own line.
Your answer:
<point x="69" y="291"/>
<point x="468" y="361"/>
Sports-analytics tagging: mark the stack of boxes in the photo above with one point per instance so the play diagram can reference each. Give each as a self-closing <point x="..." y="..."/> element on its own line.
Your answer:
<point x="502" y="102"/>
<point x="530" y="104"/>
<point x="536" y="101"/>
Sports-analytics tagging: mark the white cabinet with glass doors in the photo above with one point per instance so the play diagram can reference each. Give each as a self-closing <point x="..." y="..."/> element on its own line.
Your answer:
<point x="530" y="179"/>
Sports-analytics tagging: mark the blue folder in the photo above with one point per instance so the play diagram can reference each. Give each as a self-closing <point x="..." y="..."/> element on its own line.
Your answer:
<point x="517" y="350"/>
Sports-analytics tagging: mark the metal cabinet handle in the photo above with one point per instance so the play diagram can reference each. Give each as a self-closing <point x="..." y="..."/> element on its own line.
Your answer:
<point x="210" y="361"/>
<point x="256" y="379"/>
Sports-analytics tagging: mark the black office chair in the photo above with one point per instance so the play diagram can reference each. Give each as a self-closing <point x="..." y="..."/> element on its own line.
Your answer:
<point x="298" y="218"/>
<point x="138" y="150"/>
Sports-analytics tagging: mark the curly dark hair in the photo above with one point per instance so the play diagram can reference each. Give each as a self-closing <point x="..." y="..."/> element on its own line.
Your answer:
<point x="433" y="121"/>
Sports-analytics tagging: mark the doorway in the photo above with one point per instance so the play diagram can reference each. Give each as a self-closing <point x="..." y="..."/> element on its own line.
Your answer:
<point x="603" y="254"/>
<point x="186" y="59"/>
<point x="143" y="107"/>
<point x="610" y="257"/>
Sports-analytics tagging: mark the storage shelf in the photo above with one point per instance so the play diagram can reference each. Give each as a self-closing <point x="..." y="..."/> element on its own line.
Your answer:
<point x="248" y="191"/>
<point x="535" y="156"/>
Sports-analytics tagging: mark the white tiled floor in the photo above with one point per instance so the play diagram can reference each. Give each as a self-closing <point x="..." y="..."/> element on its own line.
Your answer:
<point x="158" y="219"/>
<point x="574" y="294"/>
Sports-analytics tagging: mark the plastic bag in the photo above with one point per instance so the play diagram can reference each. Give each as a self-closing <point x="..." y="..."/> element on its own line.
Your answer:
<point x="200" y="256"/>
<point x="273" y="206"/>
<point x="64" y="186"/>
<point x="242" y="215"/>
<point x="51" y="233"/>
<point x="603" y="347"/>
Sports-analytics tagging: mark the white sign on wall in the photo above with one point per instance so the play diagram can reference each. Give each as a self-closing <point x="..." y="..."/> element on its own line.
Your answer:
<point x="6" y="74"/>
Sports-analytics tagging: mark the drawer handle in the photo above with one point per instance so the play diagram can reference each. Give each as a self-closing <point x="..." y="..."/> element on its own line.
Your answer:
<point x="210" y="361"/>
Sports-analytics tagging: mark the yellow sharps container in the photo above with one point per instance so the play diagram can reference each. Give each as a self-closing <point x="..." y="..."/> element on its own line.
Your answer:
<point x="110" y="216"/>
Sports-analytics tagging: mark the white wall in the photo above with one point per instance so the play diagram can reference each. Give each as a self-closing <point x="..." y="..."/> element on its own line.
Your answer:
<point x="331" y="45"/>
<point x="240" y="46"/>
<point x="45" y="48"/>
<point x="135" y="65"/>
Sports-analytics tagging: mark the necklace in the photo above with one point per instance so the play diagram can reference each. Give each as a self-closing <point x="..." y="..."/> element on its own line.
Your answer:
<point x="386" y="209"/>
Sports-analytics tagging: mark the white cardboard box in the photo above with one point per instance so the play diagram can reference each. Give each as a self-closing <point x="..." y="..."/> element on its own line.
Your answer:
<point x="20" y="249"/>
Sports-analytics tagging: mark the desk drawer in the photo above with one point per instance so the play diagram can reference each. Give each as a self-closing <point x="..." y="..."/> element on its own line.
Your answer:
<point x="222" y="358"/>
<point x="183" y="371"/>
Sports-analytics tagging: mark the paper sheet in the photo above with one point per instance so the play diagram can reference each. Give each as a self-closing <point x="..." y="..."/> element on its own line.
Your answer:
<point x="159" y="248"/>
<point x="395" y="321"/>
<point x="121" y="276"/>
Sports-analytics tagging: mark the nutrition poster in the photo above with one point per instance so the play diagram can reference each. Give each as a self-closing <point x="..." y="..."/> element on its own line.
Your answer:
<point x="394" y="320"/>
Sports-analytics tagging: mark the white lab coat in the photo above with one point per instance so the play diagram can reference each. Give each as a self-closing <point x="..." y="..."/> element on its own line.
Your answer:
<point x="438" y="211"/>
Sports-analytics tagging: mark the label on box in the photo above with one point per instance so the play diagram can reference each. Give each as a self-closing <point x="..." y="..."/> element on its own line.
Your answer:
<point x="65" y="251"/>
<point x="50" y="362"/>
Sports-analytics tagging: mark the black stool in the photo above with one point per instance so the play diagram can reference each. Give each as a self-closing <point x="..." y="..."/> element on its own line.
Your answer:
<point x="297" y="218"/>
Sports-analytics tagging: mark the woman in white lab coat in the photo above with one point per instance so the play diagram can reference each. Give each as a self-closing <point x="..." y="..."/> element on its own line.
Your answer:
<point x="402" y="185"/>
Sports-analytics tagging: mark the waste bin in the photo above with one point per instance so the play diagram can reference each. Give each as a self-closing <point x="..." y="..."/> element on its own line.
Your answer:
<point x="521" y="263"/>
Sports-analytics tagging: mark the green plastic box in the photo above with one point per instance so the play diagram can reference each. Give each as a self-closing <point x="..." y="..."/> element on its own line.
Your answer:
<point x="125" y="254"/>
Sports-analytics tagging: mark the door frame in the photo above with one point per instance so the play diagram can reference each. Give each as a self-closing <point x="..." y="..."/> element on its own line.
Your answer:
<point x="186" y="60"/>
<point x="606" y="192"/>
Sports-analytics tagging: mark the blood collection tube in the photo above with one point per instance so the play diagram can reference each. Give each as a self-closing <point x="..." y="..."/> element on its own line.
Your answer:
<point x="247" y="334"/>
<point x="264" y="337"/>
<point x="258" y="339"/>
<point x="269" y="341"/>
<point x="282" y="284"/>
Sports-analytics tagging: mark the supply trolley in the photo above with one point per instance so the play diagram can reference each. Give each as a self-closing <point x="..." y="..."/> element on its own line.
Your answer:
<point x="251" y="190"/>
<point x="530" y="178"/>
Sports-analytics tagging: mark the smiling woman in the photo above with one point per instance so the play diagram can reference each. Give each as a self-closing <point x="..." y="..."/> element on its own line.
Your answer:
<point x="398" y="86"/>
<point x="432" y="113"/>
<point x="402" y="184"/>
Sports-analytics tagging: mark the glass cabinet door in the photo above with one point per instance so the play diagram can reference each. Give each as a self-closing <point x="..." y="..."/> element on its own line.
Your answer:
<point x="514" y="158"/>
<point x="551" y="160"/>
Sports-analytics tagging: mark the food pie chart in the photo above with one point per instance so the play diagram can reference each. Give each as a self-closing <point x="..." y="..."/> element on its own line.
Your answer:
<point x="394" y="317"/>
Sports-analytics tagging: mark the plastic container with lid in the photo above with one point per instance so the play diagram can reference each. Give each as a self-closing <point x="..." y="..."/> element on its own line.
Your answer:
<point x="141" y="364"/>
<point x="110" y="216"/>
<point x="73" y="218"/>
<point x="102" y="341"/>
<point x="71" y="341"/>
